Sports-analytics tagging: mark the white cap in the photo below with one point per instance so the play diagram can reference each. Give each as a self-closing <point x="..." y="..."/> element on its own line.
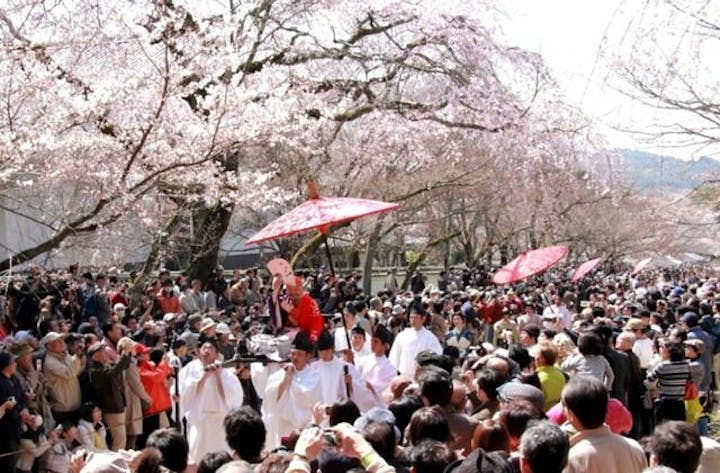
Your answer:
<point x="223" y="329"/>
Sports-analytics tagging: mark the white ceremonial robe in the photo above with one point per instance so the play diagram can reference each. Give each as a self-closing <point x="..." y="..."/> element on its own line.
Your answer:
<point x="294" y="408"/>
<point x="333" y="387"/>
<point x="407" y="345"/>
<point x="205" y="410"/>
<point x="341" y="341"/>
<point x="364" y="352"/>
<point x="378" y="371"/>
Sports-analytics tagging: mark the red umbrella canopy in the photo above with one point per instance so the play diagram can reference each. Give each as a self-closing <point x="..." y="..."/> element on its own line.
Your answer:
<point x="585" y="268"/>
<point x="529" y="263"/>
<point x="320" y="213"/>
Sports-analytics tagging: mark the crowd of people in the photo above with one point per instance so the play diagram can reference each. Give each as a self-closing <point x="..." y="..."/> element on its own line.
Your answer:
<point x="301" y="373"/>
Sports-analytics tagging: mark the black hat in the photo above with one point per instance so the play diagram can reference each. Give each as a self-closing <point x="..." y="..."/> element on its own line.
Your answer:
<point x="6" y="359"/>
<point x="73" y="337"/>
<point x="326" y="341"/>
<point x="302" y="342"/>
<point x="383" y="334"/>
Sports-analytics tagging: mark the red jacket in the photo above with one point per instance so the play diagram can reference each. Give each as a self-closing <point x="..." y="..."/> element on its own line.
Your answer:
<point x="307" y="317"/>
<point x="168" y="304"/>
<point x="153" y="379"/>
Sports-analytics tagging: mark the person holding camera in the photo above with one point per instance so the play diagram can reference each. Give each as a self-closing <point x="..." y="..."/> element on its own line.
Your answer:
<point x="208" y="392"/>
<point x="107" y="380"/>
<point x="61" y="372"/>
<point x="12" y="407"/>
<point x="348" y="441"/>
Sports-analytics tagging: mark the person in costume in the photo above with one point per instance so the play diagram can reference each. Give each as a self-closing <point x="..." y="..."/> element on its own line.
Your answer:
<point x="291" y="393"/>
<point x="207" y="393"/>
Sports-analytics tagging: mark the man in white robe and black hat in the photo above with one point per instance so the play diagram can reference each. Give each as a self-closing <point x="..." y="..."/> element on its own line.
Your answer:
<point x="291" y="393"/>
<point x="207" y="393"/>
<point x="340" y="380"/>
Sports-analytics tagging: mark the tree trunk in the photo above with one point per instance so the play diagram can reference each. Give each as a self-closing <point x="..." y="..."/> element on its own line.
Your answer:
<point x="421" y="256"/>
<point x="158" y="244"/>
<point x="504" y="254"/>
<point x="210" y="225"/>
<point x="370" y="251"/>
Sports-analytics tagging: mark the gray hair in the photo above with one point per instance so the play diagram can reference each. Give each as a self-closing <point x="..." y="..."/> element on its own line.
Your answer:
<point x="545" y="447"/>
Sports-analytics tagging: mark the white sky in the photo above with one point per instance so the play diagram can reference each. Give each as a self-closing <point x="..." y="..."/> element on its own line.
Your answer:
<point x="569" y="34"/>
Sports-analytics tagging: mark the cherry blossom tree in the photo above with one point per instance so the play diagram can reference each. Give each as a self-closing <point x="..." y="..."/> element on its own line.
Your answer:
<point x="666" y="60"/>
<point x="164" y="119"/>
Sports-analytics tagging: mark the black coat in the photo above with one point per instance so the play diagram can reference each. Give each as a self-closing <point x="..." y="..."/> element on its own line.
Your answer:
<point x="107" y="381"/>
<point x="621" y="366"/>
<point x="10" y="425"/>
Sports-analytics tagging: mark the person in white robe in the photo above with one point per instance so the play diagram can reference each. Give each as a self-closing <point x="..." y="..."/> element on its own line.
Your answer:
<point x="340" y="380"/>
<point x="410" y="342"/>
<point x="359" y="343"/>
<point x="376" y="369"/>
<point x="207" y="393"/>
<point x="341" y="340"/>
<point x="291" y="393"/>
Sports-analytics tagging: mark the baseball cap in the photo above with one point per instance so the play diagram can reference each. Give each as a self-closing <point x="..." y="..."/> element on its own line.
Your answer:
<point x="513" y="391"/>
<point x="51" y="337"/>
<point x="94" y="348"/>
<point x="690" y="318"/>
<point x="634" y="324"/>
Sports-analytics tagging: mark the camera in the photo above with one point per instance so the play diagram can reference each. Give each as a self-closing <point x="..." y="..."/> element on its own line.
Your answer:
<point x="330" y="438"/>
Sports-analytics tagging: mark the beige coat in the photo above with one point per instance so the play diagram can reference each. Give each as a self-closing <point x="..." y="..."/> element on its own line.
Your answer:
<point x="63" y="387"/>
<point x="601" y="451"/>
<point x="134" y="395"/>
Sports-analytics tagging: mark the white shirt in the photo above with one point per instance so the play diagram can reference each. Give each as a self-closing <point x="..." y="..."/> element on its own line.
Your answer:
<point x="407" y="345"/>
<point x="643" y="348"/>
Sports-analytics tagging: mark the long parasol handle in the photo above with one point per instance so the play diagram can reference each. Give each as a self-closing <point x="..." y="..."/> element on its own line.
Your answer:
<point x="332" y="278"/>
<point x="329" y="256"/>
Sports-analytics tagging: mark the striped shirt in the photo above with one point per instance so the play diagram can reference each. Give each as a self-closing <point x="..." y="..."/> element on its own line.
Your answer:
<point x="671" y="377"/>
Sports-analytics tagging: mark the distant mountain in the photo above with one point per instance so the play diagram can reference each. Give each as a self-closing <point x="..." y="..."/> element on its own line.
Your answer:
<point x="652" y="172"/>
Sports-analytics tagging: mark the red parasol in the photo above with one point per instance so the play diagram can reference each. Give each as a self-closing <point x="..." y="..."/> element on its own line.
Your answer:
<point x="529" y="263"/>
<point x="585" y="268"/>
<point x="321" y="213"/>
